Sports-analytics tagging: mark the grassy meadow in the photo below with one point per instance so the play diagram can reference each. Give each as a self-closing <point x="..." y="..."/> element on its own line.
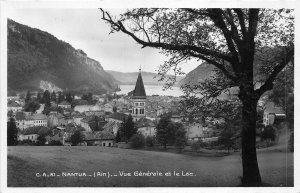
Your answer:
<point x="24" y="162"/>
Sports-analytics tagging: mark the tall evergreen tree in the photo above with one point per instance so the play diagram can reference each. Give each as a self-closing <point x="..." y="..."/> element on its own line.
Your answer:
<point x="47" y="98"/>
<point x="164" y="130"/>
<point x="38" y="97"/>
<point x="129" y="128"/>
<point x="60" y="97"/>
<point x="53" y="96"/>
<point x="69" y="97"/>
<point x="12" y="132"/>
<point x="28" y="97"/>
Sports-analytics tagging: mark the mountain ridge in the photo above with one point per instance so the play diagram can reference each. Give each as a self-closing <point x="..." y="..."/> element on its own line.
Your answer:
<point x="129" y="78"/>
<point x="35" y="56"/>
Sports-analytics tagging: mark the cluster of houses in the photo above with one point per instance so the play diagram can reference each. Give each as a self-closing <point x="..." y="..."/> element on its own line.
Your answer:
<point x="108" y="116"/>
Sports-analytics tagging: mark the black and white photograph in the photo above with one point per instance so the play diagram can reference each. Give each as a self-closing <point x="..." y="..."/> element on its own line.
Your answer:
<point x="111" y="96"/>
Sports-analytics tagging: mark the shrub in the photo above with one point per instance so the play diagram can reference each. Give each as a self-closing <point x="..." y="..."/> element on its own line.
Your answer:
<point x="41" y="140"/>
<point x="180" y="139"/>
<point x="150" y="141"/>
<point x="26" y="142"/>
<point x="268" y="133"/>
<point x="77" y="137"/>
<point x="55" y="143"/>
<point x="137" y="141"/>
<point x="198" y="144"/>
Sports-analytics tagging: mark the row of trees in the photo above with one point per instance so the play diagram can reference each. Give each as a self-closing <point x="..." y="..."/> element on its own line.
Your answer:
<point x="32" y="104"/>
<point x="168" y="132"/>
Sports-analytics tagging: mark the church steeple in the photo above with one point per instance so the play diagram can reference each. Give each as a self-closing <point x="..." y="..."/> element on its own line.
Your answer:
<point x="139" y="98"/>
<point x="139" y="90"/>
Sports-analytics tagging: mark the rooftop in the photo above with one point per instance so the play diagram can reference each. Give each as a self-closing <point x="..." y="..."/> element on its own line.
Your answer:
<point x="39" y="116"/>
<point x="118" y="116"/>
<point x="139" y="90"/>
<point x="99" y="135"/>
<point x="64" y="103"/>
<point x="36" y="130"/>
<point x="13" y="104"/>
<point x="270" y="107"/>
<point x="20" y="116"/>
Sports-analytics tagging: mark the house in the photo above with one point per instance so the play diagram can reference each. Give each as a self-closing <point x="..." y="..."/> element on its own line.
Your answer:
<point x="64" y="105"/>
<point x="272" y="113"/>
<point x="14" y="107"/>
<point x="112" y="127"/>
<point x="23" y="121"/>
<point x="56" y="119"/>
<point x="77" y="117"/>
<point x="83" y="108"/>
<point x="146" y="127"/>
<point x="117" y="117"/>
<point x="88" y="122"/>
<point x="40" y="120"/>
<point x="32" y="133"/>
<point x="100" y="138"/>
<point x="97" y="113"/>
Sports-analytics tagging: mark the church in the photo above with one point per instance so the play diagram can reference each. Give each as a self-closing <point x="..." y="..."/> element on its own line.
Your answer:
<point x="139" y="103"/>
<point x="139" y="99"/>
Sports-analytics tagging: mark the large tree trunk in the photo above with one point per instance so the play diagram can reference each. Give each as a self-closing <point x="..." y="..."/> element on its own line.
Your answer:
<point x="251" y="175"/>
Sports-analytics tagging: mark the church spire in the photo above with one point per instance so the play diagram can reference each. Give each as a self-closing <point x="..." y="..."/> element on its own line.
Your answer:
<point x="139" y="90"/>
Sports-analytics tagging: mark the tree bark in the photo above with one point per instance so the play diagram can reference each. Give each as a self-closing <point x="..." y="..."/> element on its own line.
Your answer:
<point x="251" y="175"/>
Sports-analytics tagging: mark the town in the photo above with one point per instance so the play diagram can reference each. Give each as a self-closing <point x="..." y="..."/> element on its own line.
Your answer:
<point x="45" y="118"/>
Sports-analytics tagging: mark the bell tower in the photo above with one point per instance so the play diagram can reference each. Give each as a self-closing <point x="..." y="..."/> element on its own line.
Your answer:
<point x="139" y="99"/>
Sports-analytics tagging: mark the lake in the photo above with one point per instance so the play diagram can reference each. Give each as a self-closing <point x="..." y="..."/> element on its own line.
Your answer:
<point x="153" y="90"/>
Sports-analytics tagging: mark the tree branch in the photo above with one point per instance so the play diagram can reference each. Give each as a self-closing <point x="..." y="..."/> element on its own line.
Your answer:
<point x="216" y="64"/>
<point x="268" y="85"/>
<point x="118" y="25"/>
<point x="240" y="15"/>
<point x="216" y="16"/>
<point x="235" y="33"/>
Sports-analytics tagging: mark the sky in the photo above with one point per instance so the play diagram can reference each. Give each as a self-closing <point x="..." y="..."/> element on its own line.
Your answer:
<point x="84" y="29"/>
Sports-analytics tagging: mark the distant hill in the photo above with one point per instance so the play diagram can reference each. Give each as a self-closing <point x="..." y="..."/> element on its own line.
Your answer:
<point x="38" y="60"/>
<point x="205" y="70"/>
<point x="131" y="77"/>
<point x="199" y="74"/>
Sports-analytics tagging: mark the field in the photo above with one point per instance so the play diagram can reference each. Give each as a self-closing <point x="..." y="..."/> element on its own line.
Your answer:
<point x="24" y="162"/>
